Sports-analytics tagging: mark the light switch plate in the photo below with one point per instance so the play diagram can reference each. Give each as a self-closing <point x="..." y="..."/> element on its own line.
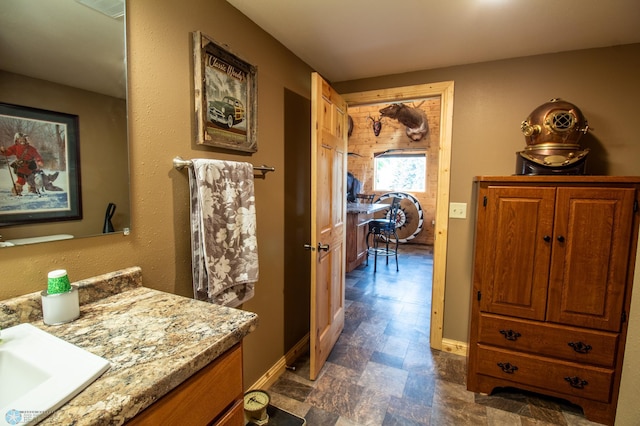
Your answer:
<point x="458" y="210"/>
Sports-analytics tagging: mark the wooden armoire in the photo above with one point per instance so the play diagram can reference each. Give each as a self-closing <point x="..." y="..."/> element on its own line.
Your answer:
<point x="552" y="281"/>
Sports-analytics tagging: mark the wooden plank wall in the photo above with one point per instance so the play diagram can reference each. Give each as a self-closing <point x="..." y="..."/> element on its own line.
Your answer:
<point x="365" y="144"/>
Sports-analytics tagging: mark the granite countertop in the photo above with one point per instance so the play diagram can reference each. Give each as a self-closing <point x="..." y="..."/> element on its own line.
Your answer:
<point x="153" y="340"/>
<point x="365" y="208"/>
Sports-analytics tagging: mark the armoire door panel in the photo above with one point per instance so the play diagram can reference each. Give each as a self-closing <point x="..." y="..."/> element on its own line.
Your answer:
<point x="517" y="252"/>
<point x="591" y="246"/>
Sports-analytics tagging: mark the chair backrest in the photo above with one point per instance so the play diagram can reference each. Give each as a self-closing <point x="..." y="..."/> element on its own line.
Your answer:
<point x="393" y="210"/>
<point x="388" y="222"/>
<point x="365" y="198"/>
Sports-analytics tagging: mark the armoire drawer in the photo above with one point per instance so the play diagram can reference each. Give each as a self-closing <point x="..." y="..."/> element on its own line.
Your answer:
<point x="545" y="373"/>
<point x="570" y="343"/>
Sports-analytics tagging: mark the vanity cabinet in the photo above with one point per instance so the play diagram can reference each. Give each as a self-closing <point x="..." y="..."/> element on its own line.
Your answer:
<point x="553" y="270"/>
<point x="213" y="396"/>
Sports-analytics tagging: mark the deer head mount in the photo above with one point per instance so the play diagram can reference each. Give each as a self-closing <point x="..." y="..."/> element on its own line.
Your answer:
<point x="414" y="119"/>
<point x="376" y="125"/>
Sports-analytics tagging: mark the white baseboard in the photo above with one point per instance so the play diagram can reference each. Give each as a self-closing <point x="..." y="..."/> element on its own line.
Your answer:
<point x="455" y="347"/>
<point x="279" y="367"/>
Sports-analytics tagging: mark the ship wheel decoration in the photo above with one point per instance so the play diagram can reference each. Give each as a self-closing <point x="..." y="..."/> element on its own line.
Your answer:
<point x="410" y="218"/>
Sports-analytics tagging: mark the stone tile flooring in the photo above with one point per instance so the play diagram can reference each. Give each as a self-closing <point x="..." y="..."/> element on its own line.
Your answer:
<point x="382" y="371"/>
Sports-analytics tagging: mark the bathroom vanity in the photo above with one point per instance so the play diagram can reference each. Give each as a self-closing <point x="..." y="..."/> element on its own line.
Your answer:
<point x="171" y="357"/>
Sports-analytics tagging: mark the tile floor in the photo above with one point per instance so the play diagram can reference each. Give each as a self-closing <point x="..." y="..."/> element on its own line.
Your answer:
<point x="382" y="371"/>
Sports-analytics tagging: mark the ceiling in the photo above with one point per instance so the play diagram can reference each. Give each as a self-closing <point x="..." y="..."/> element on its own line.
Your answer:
<point x="353" y="39"/>
<point x="64" y="42"/>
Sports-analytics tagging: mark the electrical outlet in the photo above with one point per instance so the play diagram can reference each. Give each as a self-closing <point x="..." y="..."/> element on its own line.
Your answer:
<point x="458" y="210"/>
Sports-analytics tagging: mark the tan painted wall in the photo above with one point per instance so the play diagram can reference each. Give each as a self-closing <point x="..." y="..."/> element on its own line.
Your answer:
<point x="490" y="101"/>
<point x="103" y="165"/>
<point x="160" y="127"/>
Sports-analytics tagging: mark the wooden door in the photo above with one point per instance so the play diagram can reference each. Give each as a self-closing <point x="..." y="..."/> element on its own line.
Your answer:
<point x="592" y="237"/>
<point x="328" y="213"/>
<point x="516" y="247"/>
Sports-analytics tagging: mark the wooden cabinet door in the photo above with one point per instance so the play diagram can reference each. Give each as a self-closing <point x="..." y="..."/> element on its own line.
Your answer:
<point x="516" y="247"/>
<point x="592" y="237"/>
<point x="202" y="397"/>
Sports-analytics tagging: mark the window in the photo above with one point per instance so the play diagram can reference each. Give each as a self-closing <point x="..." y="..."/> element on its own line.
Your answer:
<point x="400" y="172"/>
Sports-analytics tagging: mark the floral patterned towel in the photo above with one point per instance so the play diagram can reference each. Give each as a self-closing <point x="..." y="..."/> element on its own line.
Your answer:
<point x="223" y="231"/>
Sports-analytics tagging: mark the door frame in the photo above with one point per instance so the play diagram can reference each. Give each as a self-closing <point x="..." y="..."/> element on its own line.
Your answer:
<point x="445" y="91"/>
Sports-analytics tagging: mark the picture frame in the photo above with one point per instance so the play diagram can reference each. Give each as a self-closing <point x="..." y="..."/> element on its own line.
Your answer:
<point x="43" y="186"/>
<point x="225" y="97"/>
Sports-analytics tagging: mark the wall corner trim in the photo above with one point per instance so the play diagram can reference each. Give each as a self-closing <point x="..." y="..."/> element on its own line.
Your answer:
<point x="455" y="347"/>
<point x="273" y="373"/>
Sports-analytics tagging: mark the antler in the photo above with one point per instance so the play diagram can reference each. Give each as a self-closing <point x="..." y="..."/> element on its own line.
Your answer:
<point x="376" y="125"/>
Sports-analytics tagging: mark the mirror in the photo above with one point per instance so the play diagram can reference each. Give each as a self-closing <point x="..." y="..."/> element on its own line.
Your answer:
<point x="66" y="57"/>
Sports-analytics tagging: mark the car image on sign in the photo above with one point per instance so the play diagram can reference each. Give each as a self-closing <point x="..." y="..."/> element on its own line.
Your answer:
<point x="229" y="111"/>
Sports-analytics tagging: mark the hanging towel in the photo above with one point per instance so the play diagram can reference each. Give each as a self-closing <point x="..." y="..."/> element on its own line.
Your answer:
<point x="223" y="231"/>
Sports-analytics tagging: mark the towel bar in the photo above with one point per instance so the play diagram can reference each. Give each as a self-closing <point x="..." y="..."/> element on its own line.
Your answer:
<point x="179" y="163"/>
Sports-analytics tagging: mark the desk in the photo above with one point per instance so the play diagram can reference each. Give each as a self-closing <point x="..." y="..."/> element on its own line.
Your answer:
<point x="358" y="216"/>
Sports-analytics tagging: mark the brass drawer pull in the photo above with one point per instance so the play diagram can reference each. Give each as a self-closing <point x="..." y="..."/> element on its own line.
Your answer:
<point x="576" y="382"/>
<point x="580" y="347"/>
<point x="510" y="334"/>
<point x="507" y="367"/>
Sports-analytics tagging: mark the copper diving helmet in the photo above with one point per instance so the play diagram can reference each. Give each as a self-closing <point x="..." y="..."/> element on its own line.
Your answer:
<point x="552" y="132"/>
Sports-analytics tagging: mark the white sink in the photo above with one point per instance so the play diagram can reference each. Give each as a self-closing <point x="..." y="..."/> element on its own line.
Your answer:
<point x="40" y="372"/>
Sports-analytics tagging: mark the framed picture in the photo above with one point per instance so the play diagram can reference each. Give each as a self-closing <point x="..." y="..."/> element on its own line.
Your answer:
<point x="225" y="97"/>
<point x="39" y="166"/>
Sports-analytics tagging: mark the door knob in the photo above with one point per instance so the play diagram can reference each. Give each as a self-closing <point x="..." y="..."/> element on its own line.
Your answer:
<point x="546" y="238"/>
<point x="561" y="238"/>
<point x="309" y="247"/>
<point x="324" y="247"/>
